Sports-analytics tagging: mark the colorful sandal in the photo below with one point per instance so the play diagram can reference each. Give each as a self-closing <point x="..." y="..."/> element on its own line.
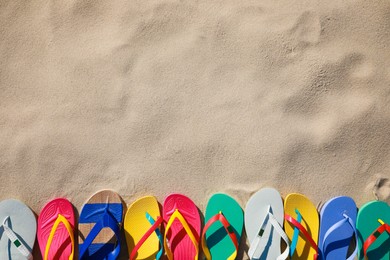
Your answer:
<point x="264" y="216"/>
<point x="301" y="217"/>
<point x="182" y="230"/>
<point x="337" y="228"/>
<point x="373" y="225"/>
<point x="222" y="212"/>
<point x="18" y="228"/>
<point x="100" y="226"/>
<point x="56" y="224"/>
<point x="142" y="229"/>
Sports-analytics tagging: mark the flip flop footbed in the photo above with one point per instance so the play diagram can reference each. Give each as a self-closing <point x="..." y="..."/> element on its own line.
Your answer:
<point x="61" y="246"/>
<point x="136" y="225"/>
<point x="93" y="211"/>
<point x="217" y="239"/>
<point x="337" y="243"/>
<point x="256" y="211"/>
<point x="23" y="223"/>
<point x="367" y="222"/>
<point x="178" y="240"/>
<point x="310" y="221"/>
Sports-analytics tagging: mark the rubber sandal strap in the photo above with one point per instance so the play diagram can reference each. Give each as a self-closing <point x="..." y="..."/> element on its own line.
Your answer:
<point x="177" y="215"/>
<point x="374" y="235"/>
<point x="229" y="230"/>
<point x="257" y="246"/>
<point x="60" y="219"/>
<point x="301" y="228"/>
<point x="282" y="234"/>
<point x="15" y="240"/>
<point x="105" y="221"/>
<point x="295" y="237"/>
<point x="337" y="225"/>
<point x="153" y="229"/>
<point x="158" y="234"/>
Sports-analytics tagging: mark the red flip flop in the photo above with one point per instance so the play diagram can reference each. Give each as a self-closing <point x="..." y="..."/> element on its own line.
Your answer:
<point x="56" y="224"/>
<point x="182" y="227"/>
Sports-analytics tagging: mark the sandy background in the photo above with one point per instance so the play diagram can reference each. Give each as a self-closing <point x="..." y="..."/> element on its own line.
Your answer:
<point x="154" y="97"/>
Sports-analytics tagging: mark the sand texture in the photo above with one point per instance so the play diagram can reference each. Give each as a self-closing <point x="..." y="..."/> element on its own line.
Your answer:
<point x="196" y="97"/>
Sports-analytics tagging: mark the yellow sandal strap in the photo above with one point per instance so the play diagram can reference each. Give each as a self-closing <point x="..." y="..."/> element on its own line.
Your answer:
<point x="63" y="220"/>
<point x="177" y="215"/>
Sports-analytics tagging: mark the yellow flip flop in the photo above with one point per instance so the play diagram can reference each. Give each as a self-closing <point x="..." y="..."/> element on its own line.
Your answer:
<point x="142" y="229"/>
<point x="301" y="223"/>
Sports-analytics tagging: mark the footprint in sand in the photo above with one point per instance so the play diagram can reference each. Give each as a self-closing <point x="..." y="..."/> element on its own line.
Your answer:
<point x="381" y="189"/>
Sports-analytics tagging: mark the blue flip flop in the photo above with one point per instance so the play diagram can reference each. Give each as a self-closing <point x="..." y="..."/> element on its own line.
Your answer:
<point x="101" y="240"/>
<point x="337" y="228"/>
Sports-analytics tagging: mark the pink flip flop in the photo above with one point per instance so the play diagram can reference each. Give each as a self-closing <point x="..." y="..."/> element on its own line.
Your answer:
<point x="56" y="230"/>
<point x="182" y="227"/>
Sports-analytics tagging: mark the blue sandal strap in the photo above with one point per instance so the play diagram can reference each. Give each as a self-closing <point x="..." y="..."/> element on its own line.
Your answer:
<point x="295" y="237"/>
<point x="105" y="221"/>
<point x="339" y="224"/>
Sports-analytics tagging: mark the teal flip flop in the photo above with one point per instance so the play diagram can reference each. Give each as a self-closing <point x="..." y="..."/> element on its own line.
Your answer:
<point x="374" y="230"/>
<point x="221" y="235"/>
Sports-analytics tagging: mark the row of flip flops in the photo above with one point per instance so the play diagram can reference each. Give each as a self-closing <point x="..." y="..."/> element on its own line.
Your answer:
<point x="275" y="230"/>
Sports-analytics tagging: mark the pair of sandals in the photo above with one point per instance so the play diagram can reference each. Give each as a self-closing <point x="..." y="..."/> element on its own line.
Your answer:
<point x="99" y="228"/>
<point x="18" y="228"/>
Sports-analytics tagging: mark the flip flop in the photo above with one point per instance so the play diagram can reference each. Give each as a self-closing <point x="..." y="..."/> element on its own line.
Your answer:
<point x="182" y="229"/>
<point x="301" y="223"/>
<point x="264" y="216"/>
<point x="142" y="229"/>
<point x="18" y="228"/>
<point x="337" y="228"/>
<point x="56" y="224"/>
<point x="100" y="226"/>
<point x="224" y="223"/>
<point x="373" y="225"/>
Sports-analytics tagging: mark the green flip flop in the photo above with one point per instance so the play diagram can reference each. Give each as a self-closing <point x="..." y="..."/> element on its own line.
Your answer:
<point x="373" y="226"/>
<point x="221" y="235"/>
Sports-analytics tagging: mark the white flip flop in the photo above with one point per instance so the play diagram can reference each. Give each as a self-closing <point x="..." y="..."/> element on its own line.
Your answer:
<point x="264" y="215"/>
<point x="18" y="227"/>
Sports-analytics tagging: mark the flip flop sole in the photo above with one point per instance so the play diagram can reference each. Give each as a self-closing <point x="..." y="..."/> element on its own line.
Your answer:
<point x="181" y="245"/>
<point x="338" y="242"/>
<point x="367" y="222"/>
<point x="23" y="223"/>
<point x="310" y="221"/>
<point x="256" y="211"/>
<point x="218" y="241"/>
<point x="61" y="246"/>
<point x="105" y="241"/>
<point x="136" y="225"/>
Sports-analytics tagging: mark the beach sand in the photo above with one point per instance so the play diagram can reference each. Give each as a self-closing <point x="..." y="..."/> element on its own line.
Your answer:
<point x="195" y="97"/>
